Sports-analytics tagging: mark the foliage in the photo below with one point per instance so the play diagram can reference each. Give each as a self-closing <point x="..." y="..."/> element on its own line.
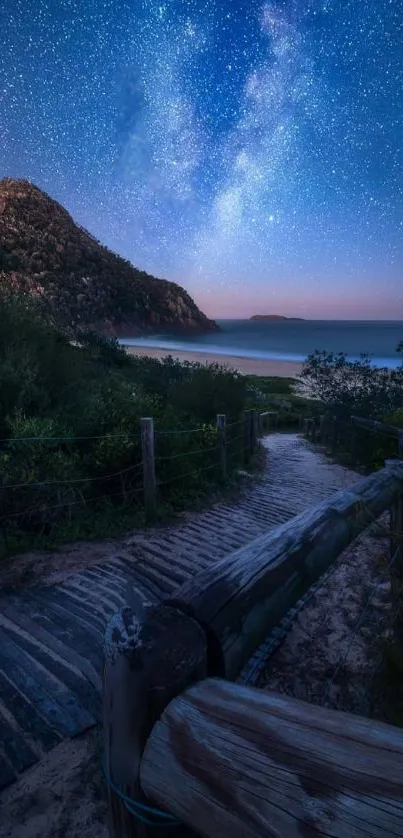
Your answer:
<point x="346" y="387"/>
<point x="70" y="449"/>
<point x="280" y="395"/>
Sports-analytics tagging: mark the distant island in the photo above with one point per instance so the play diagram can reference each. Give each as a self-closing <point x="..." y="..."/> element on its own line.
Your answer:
<point x="273" y="317"/>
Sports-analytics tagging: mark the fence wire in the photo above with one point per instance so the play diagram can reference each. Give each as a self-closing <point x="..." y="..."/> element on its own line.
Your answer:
<point x="78" y="502"/>
<point x="188" y="474"/>
<point x="72" y="480"/>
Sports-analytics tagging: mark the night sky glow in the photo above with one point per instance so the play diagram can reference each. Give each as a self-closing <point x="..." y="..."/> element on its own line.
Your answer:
<point x="252" y="151"/>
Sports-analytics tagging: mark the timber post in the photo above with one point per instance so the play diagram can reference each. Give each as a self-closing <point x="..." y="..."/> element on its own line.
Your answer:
<point x="253" y="431"/>
<point x="150" y="657"/>
<point x="247" y="436"/>
<point x="335" y="433"/>
<point x="149" y="481"/>
<point x="222" y="445"/>
<point x="263" y="422"/>
<point x="396" y="557"/>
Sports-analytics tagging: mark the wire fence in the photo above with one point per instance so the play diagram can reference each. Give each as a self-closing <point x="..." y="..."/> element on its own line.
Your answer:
<point x="157" y="468"/>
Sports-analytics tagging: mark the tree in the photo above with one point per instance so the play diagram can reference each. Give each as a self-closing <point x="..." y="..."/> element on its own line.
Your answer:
<point x="346" y="387"/>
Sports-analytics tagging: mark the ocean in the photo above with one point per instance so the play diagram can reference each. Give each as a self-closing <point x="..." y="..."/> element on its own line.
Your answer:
<point x="289" y="340"/>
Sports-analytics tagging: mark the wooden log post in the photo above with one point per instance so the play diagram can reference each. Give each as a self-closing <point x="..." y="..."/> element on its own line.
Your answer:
<point x="253" y="431"/>
<point x="335" y="433"/>
<point x="222" y="445"/>
<point x="247" y="436"/>
<point x="263" y="425"/>
<point x="396" y="559"/>
<point x="272" y="420"/>
<point x="353" y="442"/>
<point x="149" y="482"/>
<point x="230" y="760"/>
<point x="150" y="657"/>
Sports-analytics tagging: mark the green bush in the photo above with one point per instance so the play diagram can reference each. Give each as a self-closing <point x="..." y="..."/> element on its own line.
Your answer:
<point x="346" y="387"/>
<point x="70" y="450"/>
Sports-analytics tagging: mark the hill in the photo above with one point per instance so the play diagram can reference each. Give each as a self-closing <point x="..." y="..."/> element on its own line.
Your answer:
<point x="273" y="317"/>
<point x="79" y="282"/>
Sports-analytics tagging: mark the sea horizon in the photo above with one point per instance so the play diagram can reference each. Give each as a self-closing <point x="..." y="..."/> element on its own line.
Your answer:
<point x="287" y="340"/>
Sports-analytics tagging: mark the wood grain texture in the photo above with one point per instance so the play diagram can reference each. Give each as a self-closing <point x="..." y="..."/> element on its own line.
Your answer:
<point x="149" y="479"/>
<point x="234" y="761"/>
<point x="245" y="594"/>
<point x="222" y="445"/>
<point x="150" y="657"/>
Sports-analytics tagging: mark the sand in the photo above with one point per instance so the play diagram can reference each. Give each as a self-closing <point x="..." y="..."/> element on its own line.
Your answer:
<point x="62" y="796"/>
<point x="247" y="366"/>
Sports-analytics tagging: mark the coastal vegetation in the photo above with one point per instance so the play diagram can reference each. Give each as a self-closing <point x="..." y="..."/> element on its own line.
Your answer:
<point x="70" y="450"/>
<point x="341" y="388"/>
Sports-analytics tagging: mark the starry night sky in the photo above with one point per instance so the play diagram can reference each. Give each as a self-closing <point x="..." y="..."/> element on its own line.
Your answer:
<point x="251" y="151"/>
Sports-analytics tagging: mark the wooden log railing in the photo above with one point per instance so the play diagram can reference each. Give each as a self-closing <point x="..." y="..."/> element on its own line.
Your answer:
<point x="236" y="761"/>
<point x="328" y="429"/>
<point x="182" y="745"/>
<point x="244" y="595"/>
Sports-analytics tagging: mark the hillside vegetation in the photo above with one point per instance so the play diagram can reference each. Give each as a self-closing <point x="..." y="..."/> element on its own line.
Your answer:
<point x="77" y="281"/>
<point x="70" y="447"/>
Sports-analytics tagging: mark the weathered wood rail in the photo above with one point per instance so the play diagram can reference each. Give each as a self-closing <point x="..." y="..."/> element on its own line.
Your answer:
<point x="235" y="761"/>
<point x="328" y="429"/>
<point x="225" y="759"/>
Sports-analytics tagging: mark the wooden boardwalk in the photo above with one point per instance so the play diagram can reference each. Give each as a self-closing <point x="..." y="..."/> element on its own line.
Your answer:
<point x="51" y="637"/>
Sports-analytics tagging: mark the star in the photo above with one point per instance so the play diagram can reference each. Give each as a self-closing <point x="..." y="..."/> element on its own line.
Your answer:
<point x="217" y="138"/>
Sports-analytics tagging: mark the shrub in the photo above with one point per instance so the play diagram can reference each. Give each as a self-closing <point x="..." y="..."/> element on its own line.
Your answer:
<point x="346" y="387"/>
<point x="70" y="447"/>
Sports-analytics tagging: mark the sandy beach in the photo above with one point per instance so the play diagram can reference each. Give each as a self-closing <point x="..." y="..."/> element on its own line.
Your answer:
<point x="247" y="366"/>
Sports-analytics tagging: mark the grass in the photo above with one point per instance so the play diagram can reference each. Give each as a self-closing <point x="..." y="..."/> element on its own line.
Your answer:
<point x="279" y="394"/>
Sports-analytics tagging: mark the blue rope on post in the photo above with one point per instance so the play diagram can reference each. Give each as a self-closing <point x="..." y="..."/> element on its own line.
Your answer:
<point x="136" y="808"/>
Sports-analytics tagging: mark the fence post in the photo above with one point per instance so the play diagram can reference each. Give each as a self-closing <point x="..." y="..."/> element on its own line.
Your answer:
<point x="396" y="556"/>
<point x="335" y="433"/>
<point x="150" y="657"/>
<point x="247" y="435"/>
<point x="149" y="482"/>
<point x="253" y="431"/>
<point x="222" y="445"/>
<point x="400" y="445"/>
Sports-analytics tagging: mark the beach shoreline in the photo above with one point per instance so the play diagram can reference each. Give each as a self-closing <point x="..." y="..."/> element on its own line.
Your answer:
<point x="247" y="366"/>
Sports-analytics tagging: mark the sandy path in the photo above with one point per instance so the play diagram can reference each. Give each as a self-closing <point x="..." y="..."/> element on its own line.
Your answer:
<point x="63" y="796"/>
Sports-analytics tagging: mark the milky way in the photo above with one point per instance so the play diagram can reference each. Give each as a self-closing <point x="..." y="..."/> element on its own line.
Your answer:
<point x="250" y="151"/>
